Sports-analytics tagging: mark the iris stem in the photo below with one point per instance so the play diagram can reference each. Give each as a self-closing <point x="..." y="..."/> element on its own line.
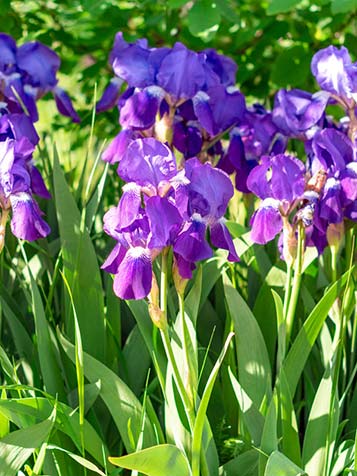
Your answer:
<point x="333" y="263"/>
<point x="296" y="282"/>
<point x="168" y="348"/>
<point x="3" y="220"/>
<point x="191" y="373"/>
<point x="289" y="275"/>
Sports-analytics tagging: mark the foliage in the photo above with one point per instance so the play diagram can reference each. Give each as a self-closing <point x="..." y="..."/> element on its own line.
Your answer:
<point x="86" y="383"/>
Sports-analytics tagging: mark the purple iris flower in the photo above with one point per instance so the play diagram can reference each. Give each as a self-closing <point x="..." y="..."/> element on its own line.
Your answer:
<point x="187" y="139"/>
<point x="335" y="72"/>
<point x="334" y="154"/>
<point x="224" y="67"/>
<point x="7" y="54"/>
<point x="209" y="192"/>
<point x="279" y="181"/>
<point x="140" y="109"/>
<point x="172" y="75"/>
<point x="257" y="135"/>
<point x="117" y="148"/>
<point x="130" y="260"/>
<point x="296" y="112"/>
<point x="219" y="108"/>
<point x="19" y="179"/>
<point x="27" y="222"/>
<point x="149" y="163"/>
<point x="110" y="95"/>
<point x="29" y="71"/>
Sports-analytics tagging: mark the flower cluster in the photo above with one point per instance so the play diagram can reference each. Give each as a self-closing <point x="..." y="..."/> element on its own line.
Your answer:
<point x="163" y="207"/>
<point x="322" y="191"/>
<point x="26" y="74"/>
<point x="173" y="153"/>
<point x="164" y="101"/>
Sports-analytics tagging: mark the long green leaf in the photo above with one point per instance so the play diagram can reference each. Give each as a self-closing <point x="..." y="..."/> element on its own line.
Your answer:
<point x="296" y="359"/>
<point x="202" y="409"/>
<point x="279" y="465"/>
<point x="252" y="417"/>
<point x="253" y="360"/>
<point x="161" y="460"/>
<point x="120" y="400"/>
<point x="49" y="362"/>
<point x="80" y="269"/>
<point x="27" y="411"/>
<point x="314" y="449"/>
<point x="18" y="446"/>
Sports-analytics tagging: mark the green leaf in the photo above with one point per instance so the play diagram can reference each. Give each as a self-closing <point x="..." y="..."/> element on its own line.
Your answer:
<point x="49" y="361"/>
<point x="22" y="340"/>
<point x="291" y="67"/>
<point x="281" y="328"/>
<point x="289" y="427"/>
<point x="80" y="269"/>
<point x="252" y="417"/>
<point x="269" y="442"/>
<point x="18" y="446"/>
<point x="202" y="409"/>
<point x="79" y="459"/>
<point x="176" y="3"/>
<point x="26" y="411"/>
<point x="159" y="460"/>
<point x="281" y="6"/>
<point x="93" y="204"/>
<point x="319" y="424"/>
<point x="343" y="6"/>
<point x="279" y="465"/>
<point x="204" y="19"/>
<point x="254" y="371"/>
<point x="245" y="464"/>
<point x="120" y="400"/>
<point x="299" y="352"/>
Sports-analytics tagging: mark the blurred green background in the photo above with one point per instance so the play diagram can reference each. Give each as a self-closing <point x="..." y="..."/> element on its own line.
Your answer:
<point x="272" y="41"/>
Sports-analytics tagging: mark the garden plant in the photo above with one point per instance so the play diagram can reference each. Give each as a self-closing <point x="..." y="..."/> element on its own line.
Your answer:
<point x="178" y="238"/>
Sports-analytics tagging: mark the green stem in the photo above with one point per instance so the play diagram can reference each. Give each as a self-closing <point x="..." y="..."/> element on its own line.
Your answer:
<point x="333" y="263"/>
<point x="168" y="348"/>
<point x="289" y="275"/>
<point x="3" y="220"/>
<point x="177" y="377"/>
<point x="296" y="282"/>
<point x="188" y="360"/>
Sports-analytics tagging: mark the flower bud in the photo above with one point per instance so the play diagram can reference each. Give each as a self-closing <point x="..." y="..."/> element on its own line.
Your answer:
<point x="180" y="283"/>
<point x="289" y="243"/>
<point x="3" y="220"/>
<point x="164" y="128"/>
<point x="157" y="315"/>
<point x="335" y="234"/>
